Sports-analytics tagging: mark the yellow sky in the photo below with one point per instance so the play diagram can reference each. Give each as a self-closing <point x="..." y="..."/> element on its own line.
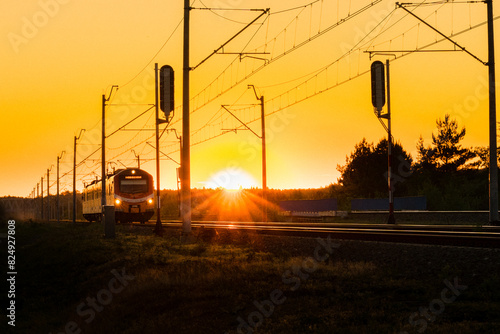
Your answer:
<point x="60" y="56"/>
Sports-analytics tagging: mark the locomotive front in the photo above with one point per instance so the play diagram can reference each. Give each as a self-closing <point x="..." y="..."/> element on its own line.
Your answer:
<point x="133" y="195"/>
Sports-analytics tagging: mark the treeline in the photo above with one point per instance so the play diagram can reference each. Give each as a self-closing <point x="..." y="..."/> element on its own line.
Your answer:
<point x="31" y="208"/>
<point x="452" y="177"/>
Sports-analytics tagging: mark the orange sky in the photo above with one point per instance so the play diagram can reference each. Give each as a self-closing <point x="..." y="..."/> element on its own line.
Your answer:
<point x="60" y="56"/>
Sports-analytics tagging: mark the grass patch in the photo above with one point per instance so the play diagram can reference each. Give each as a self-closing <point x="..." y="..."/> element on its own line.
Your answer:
<point x="224" y="278"/>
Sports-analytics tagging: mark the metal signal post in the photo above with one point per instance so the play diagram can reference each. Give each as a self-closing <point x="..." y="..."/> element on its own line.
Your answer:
<point x="165" y="96"/>
<point x="379" y="85"/>
<point x="391" y="219"/>
<point x="157" y="129"/>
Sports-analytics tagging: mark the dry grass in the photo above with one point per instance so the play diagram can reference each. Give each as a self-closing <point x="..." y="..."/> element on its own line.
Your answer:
<point x="206" y="286"/>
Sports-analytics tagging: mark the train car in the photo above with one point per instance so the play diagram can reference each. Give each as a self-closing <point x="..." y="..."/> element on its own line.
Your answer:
<point x="130" y="190"/>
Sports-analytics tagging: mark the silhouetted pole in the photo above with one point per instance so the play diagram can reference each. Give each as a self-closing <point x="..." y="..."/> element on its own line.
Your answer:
<point x="57" y="198"/>
<point x="264" y="163"/>
<point x="57" y="190"/>
<point x="103" y="155"/>
<point x="48" y="194"/>
<point x="41" y="192"/>
<point x="185" y="153"/>
<point x="391" y="219"/>
<point x="33" y="204"/>
<point x="38" y="195"/>
<point x="138" y="157"/>
<point x="493" y="118"/>
<point x="36" y="200"/>
<point x="74" y="181"/>
<point x="263" y="139"/>
<point x="74" y="174"/>
<point x="103" y="149"/>
<point x="158" y="206"/>
<point x="493" y="164"/>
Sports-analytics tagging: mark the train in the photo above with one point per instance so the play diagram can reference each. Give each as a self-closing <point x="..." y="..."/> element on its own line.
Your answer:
<point x="130" y="190"/>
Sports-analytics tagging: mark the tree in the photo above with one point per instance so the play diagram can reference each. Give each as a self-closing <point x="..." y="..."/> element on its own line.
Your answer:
<point x="481" y="158"/>
<point x="450" y="176"/>
<point x="446" y="153"/>
<point x="365" y="171"/>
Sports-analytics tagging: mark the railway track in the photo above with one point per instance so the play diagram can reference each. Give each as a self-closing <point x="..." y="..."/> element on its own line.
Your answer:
<point x="453" y="235"/>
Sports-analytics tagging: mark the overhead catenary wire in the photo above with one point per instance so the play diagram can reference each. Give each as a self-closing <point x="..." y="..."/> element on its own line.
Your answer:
<point x="314" y="74"/>
<point x="200" y="141"/>
<point x="157" y="53"/>
<point x="222" y="16"/>
<point x="294" y="8"/>
<point x="433" y="3"/>
<point x="202" y="94"/>
<point x="199" y="104"/>
<point x="264" y="11"/>
<point x="443" y="35"/>
<point x="123" y="126"/>
<point x="360" y="73"/>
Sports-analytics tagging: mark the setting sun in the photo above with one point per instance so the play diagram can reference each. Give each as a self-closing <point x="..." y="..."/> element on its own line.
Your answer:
<point x="231" y="179"/>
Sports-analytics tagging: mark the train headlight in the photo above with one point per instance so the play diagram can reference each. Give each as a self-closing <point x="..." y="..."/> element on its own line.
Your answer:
<point x="150" y="201"/>
<point x="117" y="201"/>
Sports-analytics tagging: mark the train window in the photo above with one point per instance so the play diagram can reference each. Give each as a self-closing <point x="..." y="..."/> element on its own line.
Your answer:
<point x="133" y="186"/>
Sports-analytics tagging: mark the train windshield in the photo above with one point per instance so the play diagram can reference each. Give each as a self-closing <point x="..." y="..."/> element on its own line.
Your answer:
<point x="134" y="186"/>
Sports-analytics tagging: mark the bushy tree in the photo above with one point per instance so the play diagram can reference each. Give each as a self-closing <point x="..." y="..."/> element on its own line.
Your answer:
<point x="450" y="176"/>
<point x="481" y="158"/>
<point x="446" y="153"/>
<point x="365" y="171"/>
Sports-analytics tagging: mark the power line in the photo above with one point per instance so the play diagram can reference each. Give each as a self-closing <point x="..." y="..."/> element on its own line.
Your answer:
<point x="276" y="104"/>
<point x="222" y="16"/>
<point x="286" y="97"/>
<point x="155" y="55"/>
<point x="123" y="126"/>
<point x="201" y="95"/>
<point x="294" y="8"/>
